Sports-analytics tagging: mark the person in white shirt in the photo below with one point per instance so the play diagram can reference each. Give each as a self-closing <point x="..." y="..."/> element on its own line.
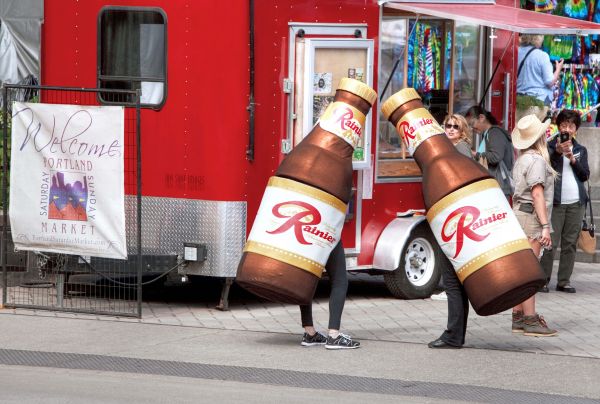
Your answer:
<point x="570" y="160"/>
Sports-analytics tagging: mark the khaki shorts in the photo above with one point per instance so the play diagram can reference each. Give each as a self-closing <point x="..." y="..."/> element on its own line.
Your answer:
<point x="529" y="223"/>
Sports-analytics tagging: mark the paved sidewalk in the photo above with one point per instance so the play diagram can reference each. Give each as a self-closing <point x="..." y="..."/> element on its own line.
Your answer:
<point x="64" y="360"/>
<point x="371" y="314"/>
<point x="258" y="343"/>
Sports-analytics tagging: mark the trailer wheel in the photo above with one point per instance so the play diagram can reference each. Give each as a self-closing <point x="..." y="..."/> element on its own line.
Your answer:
<point x="420" y="267"/>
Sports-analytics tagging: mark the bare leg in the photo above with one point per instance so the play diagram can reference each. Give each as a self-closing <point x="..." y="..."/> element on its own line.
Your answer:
<point x="528" y="306"/>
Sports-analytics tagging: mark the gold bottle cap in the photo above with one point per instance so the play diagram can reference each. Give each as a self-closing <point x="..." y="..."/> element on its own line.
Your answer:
<point x="401" y="97"/>
<point x="358" y="88"/>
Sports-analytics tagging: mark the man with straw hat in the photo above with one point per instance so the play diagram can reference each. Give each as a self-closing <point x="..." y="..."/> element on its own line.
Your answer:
<point x="532" y="203"/>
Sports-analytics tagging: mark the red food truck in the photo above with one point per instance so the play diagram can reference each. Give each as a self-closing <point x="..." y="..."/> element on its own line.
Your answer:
<point x="229" y="88"/>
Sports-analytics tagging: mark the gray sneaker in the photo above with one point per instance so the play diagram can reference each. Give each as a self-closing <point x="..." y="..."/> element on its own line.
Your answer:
<point x="342" y="341"/>
<point x="535" y="326"/>
<point x="517" y="322"/>
<point x="316" y="339"/>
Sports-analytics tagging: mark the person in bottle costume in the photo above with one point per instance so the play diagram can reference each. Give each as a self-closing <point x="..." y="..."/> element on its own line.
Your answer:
<point x="338" y="280"/>
<point x="297" y="230"/>
<point x="458" y="131"/>
<point x="469" y="216"/>
<point x="532" y="205"/>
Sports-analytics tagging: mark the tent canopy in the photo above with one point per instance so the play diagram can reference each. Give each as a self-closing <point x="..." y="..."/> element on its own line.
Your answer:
<point x="501" y="17"/>
<point x="20" y="30"/>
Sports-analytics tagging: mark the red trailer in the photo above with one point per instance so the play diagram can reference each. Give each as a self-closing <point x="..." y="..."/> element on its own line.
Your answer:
<point x="228" y="88"/>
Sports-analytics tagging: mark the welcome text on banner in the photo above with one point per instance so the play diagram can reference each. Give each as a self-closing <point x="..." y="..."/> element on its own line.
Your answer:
<point x="67" y="179"/>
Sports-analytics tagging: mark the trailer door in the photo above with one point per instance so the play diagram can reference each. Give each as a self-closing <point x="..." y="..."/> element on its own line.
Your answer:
<point x="320" y="55"/>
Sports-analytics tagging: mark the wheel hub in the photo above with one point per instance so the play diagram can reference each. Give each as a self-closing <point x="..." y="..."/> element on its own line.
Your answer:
<point x="419" y="261"/>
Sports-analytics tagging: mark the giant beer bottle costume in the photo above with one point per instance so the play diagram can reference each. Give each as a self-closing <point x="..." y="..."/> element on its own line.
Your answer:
<point x="468" y="213"/>
<point x="302" y="212"/>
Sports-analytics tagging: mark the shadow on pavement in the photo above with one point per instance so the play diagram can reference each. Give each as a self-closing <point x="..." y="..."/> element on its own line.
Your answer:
<point x="208" y="290"/>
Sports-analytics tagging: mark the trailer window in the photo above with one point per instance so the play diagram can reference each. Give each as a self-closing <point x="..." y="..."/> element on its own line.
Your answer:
<point x="437" y="57"/>
<point x="132" y="54"/>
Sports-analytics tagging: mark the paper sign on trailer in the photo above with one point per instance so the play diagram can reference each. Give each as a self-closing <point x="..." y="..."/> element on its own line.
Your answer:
<point x="67" y="181"/>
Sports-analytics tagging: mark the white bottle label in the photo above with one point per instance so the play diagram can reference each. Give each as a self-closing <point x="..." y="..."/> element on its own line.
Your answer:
<point x="297" y="224"/>
<point x="345" y="121"/>
<point x="475" y="225"/>
<point x="417" y="126"/>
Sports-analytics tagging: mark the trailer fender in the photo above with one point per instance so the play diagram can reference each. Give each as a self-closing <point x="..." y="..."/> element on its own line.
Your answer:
<point x="390" y="244"/>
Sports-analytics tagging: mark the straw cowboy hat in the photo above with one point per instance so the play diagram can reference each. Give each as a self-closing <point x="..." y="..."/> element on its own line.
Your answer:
<point x="528" y="130"/>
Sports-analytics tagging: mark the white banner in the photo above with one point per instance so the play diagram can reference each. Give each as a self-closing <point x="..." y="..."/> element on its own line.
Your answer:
<point x="67" y="179"/>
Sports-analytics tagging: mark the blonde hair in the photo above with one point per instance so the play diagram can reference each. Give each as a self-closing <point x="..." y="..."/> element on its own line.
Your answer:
<point x="541" y="147"/>
<point x="464" y="128"/>
<point x="531" y="39"/>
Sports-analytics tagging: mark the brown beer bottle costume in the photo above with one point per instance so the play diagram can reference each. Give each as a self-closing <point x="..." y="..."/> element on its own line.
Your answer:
<point x="302" y="212"/>
<point x="470" y="217"/>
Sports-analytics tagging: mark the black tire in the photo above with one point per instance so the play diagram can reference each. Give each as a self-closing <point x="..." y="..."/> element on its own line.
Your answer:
<point x="420" y="268"/>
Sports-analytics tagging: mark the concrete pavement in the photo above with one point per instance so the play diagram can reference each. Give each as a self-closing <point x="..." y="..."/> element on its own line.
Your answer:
<point x="256" y="344"/>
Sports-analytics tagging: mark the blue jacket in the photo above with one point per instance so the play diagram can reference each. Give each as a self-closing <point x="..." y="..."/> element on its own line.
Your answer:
<point x="581" y="169"/>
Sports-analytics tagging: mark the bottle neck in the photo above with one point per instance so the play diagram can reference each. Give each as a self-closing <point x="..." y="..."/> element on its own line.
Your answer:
<point x="436" y="147"/>
<point x="326" y="140"/>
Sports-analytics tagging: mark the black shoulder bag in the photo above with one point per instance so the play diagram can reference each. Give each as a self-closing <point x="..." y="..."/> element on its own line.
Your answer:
<point x="587" y="236"/>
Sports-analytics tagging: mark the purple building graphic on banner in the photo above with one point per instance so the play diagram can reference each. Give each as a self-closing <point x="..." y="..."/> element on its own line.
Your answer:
<point x="68" y="200"/>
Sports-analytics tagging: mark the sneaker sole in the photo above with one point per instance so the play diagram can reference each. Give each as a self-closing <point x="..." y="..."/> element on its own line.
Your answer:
<point x="311" y="343"/>
<point x="517" y="331"/>
<point x="341" y="347"/>
<point x="532" y="334"/>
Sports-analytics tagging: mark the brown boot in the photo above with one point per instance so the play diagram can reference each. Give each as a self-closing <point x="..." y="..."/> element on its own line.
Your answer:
<point x="517" y="321"/>
<point x="535" y="326"/>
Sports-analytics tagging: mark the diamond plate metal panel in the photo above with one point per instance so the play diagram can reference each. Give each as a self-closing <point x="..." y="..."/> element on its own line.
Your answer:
<point x="169" y="222"/>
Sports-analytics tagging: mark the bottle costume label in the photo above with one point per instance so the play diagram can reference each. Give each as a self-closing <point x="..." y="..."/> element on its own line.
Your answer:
<point x="417" y="126"/>
<point x="344" y="121"/>
<point x="297" y="224"/>
<point x="475" y="225"/>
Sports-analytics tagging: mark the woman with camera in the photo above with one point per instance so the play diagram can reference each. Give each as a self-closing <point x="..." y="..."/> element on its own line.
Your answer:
<point x="570" y="160"/>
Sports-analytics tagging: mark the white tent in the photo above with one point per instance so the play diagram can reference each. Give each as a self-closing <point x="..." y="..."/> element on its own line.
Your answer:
<point x="20" y="39"/>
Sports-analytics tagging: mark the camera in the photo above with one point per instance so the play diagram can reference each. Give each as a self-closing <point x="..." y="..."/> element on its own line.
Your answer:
<point x="564" y="136"/>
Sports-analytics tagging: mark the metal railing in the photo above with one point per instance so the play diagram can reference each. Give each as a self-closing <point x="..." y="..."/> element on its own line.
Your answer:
<point x="64" y="282"/>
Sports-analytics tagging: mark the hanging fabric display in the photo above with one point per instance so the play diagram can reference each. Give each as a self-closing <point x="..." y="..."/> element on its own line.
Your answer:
<point x="558" y="46"/>
<point x="578" y="89"/>
<point x="576" y="9"/>
<point x="596" y="16"/>
<point x="591" y="6"/>
<point x="447" y="56"/>
<point x="426" y="52"/>
<point x="544" y="6"/>
<point x="576" y="56"/>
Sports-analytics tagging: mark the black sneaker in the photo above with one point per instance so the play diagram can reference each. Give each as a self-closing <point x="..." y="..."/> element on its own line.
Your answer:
<point x="310" y="340"/>
<point x="342" y="341"/>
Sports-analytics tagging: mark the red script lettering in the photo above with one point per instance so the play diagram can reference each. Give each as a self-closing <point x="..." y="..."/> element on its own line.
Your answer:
<point x="295" y="220"/>
<point x="462" y="229"/>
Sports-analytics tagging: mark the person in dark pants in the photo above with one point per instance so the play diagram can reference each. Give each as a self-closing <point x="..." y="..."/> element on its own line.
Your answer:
<point x="570" y="160"/>
<point x="338" y="279"/>
<point x="458" y="312"/>
<point x="458" y="303"/>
